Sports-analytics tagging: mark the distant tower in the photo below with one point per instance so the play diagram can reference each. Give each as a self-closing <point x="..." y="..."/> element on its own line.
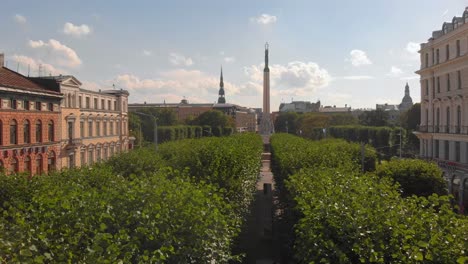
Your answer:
<point x="221" y="98"/>
<point x="407" y="102"/>
<point x="266" y="125"/>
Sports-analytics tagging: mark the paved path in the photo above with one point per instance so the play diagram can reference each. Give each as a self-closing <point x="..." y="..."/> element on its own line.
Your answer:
<point x="259" y="247"/>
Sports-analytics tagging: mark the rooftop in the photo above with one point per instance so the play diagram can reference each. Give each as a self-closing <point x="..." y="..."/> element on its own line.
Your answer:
<point x="12" y="79"/>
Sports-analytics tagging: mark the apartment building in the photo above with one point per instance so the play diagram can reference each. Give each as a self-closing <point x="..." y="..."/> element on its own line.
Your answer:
<point x="94" y="124"/>
<point x="443" y="131"/>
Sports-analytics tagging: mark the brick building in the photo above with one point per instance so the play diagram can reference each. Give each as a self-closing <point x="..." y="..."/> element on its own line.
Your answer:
<point x="29" y="124"/>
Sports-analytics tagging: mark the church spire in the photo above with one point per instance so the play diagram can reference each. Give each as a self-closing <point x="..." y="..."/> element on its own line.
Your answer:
<point x="407" y="89"/>
<point x="221" y="99"/>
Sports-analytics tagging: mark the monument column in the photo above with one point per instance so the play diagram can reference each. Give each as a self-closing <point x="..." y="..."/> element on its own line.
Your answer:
<point x="266" y="125"/>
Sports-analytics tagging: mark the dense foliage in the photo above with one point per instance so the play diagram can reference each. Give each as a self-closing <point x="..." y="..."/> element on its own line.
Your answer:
<point x="340" y="215"/>
<point x="132" y="209"/>
<point x="306" y="123"/>
<point x="415" y="177"/>
<point x="378" y="117"/>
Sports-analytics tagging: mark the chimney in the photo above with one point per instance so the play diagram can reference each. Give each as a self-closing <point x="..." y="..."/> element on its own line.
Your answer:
<point x="2" y="59"/>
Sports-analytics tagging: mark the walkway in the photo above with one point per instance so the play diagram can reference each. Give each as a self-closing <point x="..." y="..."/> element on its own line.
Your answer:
<point x="259" y="244"/>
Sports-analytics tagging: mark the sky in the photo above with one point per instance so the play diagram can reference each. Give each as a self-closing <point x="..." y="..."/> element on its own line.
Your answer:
<point x="356" y="53"/>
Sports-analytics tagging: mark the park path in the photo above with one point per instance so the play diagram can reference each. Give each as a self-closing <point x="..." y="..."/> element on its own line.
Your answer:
<point x="259" y="243"/>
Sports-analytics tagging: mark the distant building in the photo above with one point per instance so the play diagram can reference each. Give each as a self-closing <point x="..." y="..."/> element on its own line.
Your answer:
<point x="94" y="125"/>
<point x="29" y="124"/>
<point x="407" y="101"/>
<point x="221" y="98"/>
<point x="300" y="107"/>
<point x="394" y="110"/>
<point x="334" y="109"/>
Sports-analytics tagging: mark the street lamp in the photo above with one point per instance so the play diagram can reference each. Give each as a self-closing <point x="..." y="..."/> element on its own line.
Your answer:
<point x="155" y="128"/>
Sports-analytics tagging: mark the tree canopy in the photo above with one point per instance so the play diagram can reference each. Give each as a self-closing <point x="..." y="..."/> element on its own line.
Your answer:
<point x="214" y="118"/>
<point x="376" y="117"/>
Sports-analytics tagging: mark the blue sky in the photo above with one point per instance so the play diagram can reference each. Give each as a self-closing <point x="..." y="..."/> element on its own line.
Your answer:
<point x="358" y="53"/>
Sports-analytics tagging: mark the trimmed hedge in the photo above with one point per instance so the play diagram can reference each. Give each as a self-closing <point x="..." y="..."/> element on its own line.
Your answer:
<point x="339" y="215"/>
<point x="415" y="177"/>
<point x="133" y="208"/>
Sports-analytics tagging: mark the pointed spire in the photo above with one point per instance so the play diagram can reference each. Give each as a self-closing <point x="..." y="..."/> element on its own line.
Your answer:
<point x="221" y="99"/>
<point x="221" y="83"/>
<point x="407" y="89"/>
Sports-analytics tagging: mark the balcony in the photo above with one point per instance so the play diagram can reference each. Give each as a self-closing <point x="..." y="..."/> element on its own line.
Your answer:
<point x="74" y="142"/>
<point x="443" y="129"/>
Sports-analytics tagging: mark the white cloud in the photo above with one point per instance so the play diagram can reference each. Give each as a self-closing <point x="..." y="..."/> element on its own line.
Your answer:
<point x="179" y="59"/>
<point x="33" y="65"/>
<point x="412" y="47"/>
<point x="20" y="19"/>
<point x="229" y="59"/>
<point x="264" y="19"/>
<point x="359" y="58"/>
<point x="57" y="52"/>
<point x="295" y="77"/>
<point x="76" y="31"/>
<point x="395" y="71"/>
<point x="147" y="53"/>
<point x="358" y="77"/>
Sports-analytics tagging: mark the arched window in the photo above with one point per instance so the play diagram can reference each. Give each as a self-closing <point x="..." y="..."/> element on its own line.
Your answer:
<point x="14" y="165"/>
<point x="458" y="119"/>
<point x="39" y="169"/>
<point x="437" y="119"/>
<point x="448" y="117"/>
<point x="13" y="132"/>
<point x="27" y="132"/>
<point x="27" y="164"/>
<point x="38" y="131"/>
<point x="51" y="162"/>
<point x="111" y="128"/>
<point x="50" y="130"/>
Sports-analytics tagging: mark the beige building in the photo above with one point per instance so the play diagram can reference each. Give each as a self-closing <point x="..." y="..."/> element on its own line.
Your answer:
<point x="443" y="132"/>
<point x="94" y="125"/>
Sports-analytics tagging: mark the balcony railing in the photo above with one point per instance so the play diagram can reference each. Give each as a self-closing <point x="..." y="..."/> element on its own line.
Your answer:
<point x="443" y="129"/>
<point x="74" y="141"/>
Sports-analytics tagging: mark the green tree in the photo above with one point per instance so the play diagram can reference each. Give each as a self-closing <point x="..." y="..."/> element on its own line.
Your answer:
<point x="214" y="118"/>
<point x="289" y="120"/>
<point x="412" y="117"/>
<point x="340" y="119"/>
<point x="376" y="117"/>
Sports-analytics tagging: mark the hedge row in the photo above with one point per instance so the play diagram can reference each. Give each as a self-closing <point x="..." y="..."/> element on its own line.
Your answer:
<point x="171" y="133"/>
<point x="132" y="209"/>
<point x="386" y="139"/>
<point x="340" y="215"/>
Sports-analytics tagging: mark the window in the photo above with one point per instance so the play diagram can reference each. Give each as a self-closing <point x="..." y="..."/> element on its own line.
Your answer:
<point x="71" y="160"/>
<point x="447" y="52"/>
<point x="13" y="104"/>
<point x="433" y="57"/>
<point x="111" y="127"/>
<point x="50" y="106"/>
<point x="436" y="148"/>
<point x="82" y="158"/>
<point x="70" y="130"/>
<point x="27" y="164"/>
<point x="82" y="129"/>
<point x="458" y="47"/>
<point x="13" y="132"/>
<point x="38" y="131"/>
<point x="458" y="119"/>
<point x="427" y="116"/>
<point x="1" y="133"/>
<point x="115" y="106"/>
<point x="14" y="168"/>
<point x="98" y="128"/>
<point x="112" y="151"/>
<point x="433" y="87"/>
<point x="90" y="157"/>
<point x="457" y="151"/>
<point x="98" y="155"/>
<point x="39" y="164"/>
<point x="448" y="81"/>
<point x="51" y="164"/>
<point x="102" y="104"/>
<point x="438" y="84"/>
<point x="26" y="132"/>
<point x="105" y="153"/>
<point x="87" y="102"/>
<point x="448" y="118"/>
<point x="95" y="103"/>
<point x="427" y="60"/>
<point x="50" y="131"/>
<point x="446" y="150"/>
<point x="459" y="82"/>
<point x="104" y="128"/>
<point x="38" y="106"/>
<point x="437" y="120"/>
<point x="79" y="101"/>
<point x="90" y="128"/>
<point x="108" y="105"/>
<point x="26" y="105"/>
<point x="427" y="87"/>
<point x="437" y="56"/>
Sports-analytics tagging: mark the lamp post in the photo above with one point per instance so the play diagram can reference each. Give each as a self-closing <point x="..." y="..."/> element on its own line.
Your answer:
<point x="155" y="128"/>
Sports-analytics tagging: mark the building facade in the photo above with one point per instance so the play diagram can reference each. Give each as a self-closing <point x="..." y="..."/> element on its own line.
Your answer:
<point x="94" y="125"/>
<point x="29" y="125"/>
<point x="300" y="107"/>
<point x="443" y="131"/>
